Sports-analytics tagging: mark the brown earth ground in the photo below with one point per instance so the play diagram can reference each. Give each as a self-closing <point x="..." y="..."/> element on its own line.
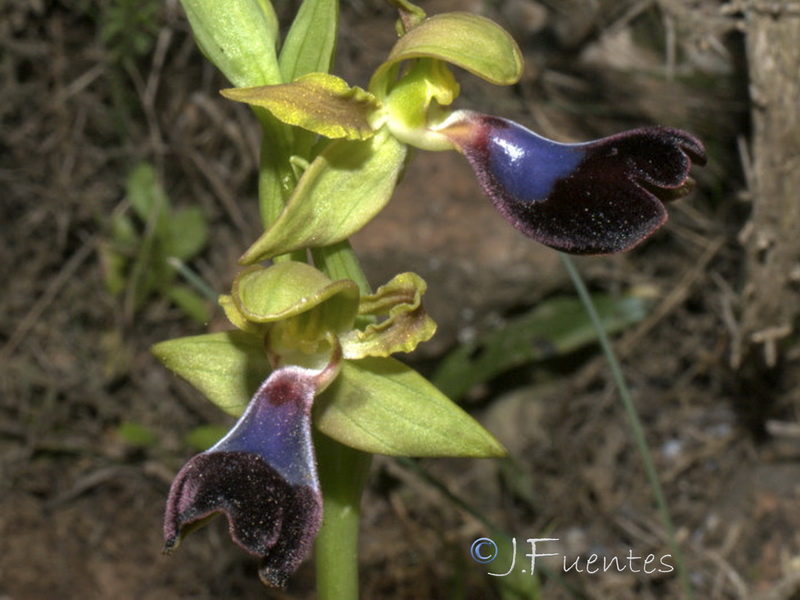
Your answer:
<point x="90" y="87"/>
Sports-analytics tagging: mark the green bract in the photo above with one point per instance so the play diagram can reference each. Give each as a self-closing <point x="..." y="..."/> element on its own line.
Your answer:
<point x="311" y="41"/>
<point x="225" y="367"/>
<point x="381" y="406"/>
<point x="239" y="37"/>
<point x="339" y="193"/>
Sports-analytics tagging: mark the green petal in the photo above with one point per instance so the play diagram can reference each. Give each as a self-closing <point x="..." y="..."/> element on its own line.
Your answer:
<point x="317" y="102"/>
<point x="226" y="367"/>
<point x="469" y="41"/>
<point x="288" y="289"/>
<point x="381" y="406"/>
<point x="406" y="324"/>
<point x="239" y="37"/>
<point x="340" y="192"/>
<point x="239" y="319"/>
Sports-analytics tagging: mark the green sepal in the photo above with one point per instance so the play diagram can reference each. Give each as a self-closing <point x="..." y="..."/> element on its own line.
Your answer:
<point x="381" y="406"/>
<point x="465" y="40"/>
<point x="239" y="37"/>
<point x="310" y="43"/>
<point x="225" y="367"/>
<point x="329" y="204"/>
<point x="318" y="102"/>
<point x="406" y="324"/>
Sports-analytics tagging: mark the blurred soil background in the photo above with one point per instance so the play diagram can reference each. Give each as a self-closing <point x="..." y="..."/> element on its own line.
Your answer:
<point x="92" y="428"/>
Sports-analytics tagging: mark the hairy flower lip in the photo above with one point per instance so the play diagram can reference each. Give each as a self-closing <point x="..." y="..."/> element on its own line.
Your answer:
<point x="262" y="476"/>
<point x="598" y="197"/>
<point x="267" y="516"/>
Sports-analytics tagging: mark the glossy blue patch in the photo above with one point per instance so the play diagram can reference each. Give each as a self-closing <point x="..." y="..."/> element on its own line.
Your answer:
<point x="277" y="427"/>
<point x="527" y="165"/>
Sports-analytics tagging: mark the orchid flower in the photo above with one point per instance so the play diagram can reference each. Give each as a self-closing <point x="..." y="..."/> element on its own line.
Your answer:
<point x="262" y="475"/>
<point x="596" y="197"/>
<point x="297" y="329"/>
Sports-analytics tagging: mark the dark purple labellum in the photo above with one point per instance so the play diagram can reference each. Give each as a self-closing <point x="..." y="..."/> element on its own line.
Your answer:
<point x="598" y="197"/>
<point x="262" y="475"/>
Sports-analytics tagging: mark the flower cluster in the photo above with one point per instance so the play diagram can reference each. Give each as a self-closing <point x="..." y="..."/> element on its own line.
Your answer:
<point x="333" y="156"/>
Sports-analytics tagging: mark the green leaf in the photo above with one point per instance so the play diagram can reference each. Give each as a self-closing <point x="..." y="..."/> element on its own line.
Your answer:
<point x="123" y="233"/>
<point x="555" y="327"/>
<point x="381" y="406"/>
<point x="189" y="302"/>
<point x="203" y="437"/>
<point x="226" y="367"/>
<point x="148" y="199"/>
<point x="288" y="289"/>
<point x="239" y="37"/>
<point x="310" y="43"/>
<point x="136" y="434"/>
<point x="187" y="233"/>
<point x="317" y="102"/>
<point x="465" y="40"/>
<point x="340" y="192"/>
<point x="114" y="266"/>
<point x="406" y="324"/>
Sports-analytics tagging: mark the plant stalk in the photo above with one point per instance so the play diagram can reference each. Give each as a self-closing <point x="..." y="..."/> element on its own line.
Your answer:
<point x="635" y="423"/>
<point x="343" y="473"/>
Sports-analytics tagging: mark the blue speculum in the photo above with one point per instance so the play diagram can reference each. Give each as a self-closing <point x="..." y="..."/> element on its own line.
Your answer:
<point x="527" y="165"/>
<point x="276" y="426"/>
<point x="596" y="197"/>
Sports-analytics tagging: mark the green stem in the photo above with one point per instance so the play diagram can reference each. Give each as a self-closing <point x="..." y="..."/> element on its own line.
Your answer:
<point x="343" y="473"/>
<point x="635" y="423"/>
<point x="338" y="261"/>
<point x="342" y="470"/>
<point x="276" y="178"/>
